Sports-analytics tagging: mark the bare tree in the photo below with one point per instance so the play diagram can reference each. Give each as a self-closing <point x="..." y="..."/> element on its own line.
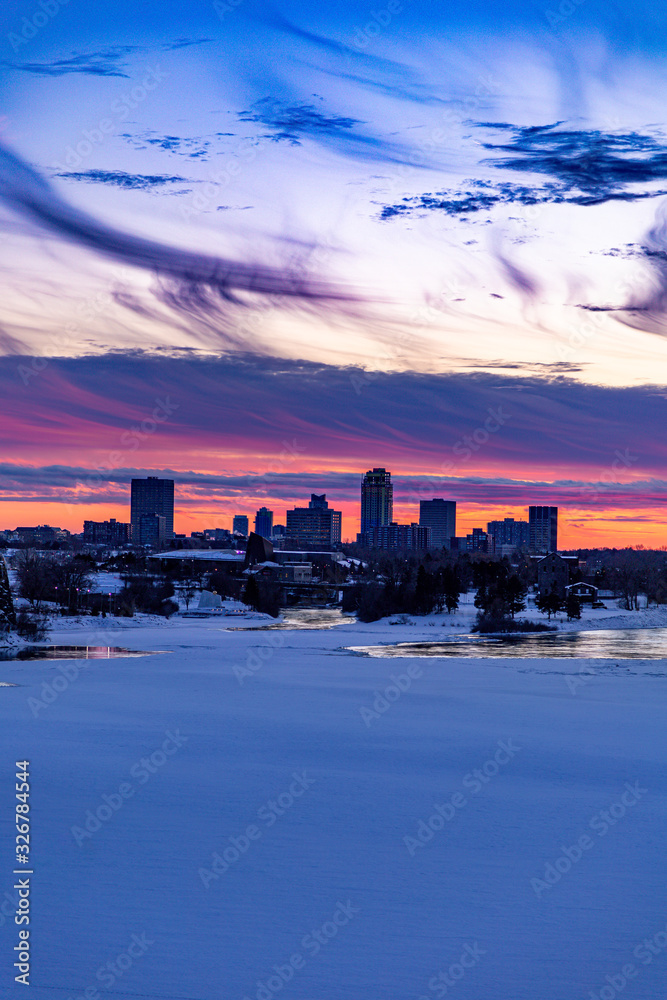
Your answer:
<point x="34" y="574"/>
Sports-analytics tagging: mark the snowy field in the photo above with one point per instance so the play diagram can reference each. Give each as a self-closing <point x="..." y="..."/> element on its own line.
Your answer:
<point x="261" y="814"/>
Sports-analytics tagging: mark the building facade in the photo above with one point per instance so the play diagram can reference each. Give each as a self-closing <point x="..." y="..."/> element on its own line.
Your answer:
<point x="399" y="536"/>
<point x="150" y="530"/>
<point x="554" y="574"/>
<point x="509" y="532"/>
<point x="112" y="533"/>
<point x="151" y="497"/>
<point x="240" y="524"/>
<point x="440" y="516"/>
<point x="377" y="500"/>
<point x="543" y="529"/>
<point x="478" y="541"/>
<point x="316" y="526"/>
<point x="264" y="522"/>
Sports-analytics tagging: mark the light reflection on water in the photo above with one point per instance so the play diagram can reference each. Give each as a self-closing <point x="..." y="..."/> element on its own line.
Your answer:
<point x="617" y="644"/>
<point x="68" y="652"/>
<point x="305" y="618"/>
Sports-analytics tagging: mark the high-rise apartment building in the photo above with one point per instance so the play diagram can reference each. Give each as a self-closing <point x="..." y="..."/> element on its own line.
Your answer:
<point x="264" y="522"/>
<point x="316" y="526"/>
<point x="150" y="530"/>
<point x="240" y="524"/>
<point x="543" y="529"/>
<point x="399" y="536"/>
<point x="152" y="496"/>
<point x="112" y="533"/>
<point x="440" y="516"/>
<point x="478" y="541"/>
<point x="377" y="500"/>
<point x="509" y="532"/>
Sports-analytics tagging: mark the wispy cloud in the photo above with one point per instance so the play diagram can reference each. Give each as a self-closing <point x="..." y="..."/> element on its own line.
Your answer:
<point x="121" y="179"/>
<point x="294" y="122"/>
<point x="195" y="283"/>
<point x="194" y="148"/>
<point x="246" y="405"/>
<point x="107" y="62"/>
<point x="585" y="167"/>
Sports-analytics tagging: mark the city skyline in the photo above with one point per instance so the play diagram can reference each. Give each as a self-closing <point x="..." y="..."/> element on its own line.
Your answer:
<point x="153" y="510"/>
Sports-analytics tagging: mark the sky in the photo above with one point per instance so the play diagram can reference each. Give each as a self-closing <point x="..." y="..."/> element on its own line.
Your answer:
<point x="263" y="248"/>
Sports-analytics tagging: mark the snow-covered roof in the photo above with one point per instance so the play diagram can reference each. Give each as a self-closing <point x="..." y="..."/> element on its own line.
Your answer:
<point x="206" y="555"/>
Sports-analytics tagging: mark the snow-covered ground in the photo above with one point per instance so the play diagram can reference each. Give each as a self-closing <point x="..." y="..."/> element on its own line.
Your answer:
<point x="261" y="814"/>
<point x="462" y="621"/>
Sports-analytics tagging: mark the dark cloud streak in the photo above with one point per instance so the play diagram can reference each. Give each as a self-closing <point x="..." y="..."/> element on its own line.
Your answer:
<point x="214" y="282"/>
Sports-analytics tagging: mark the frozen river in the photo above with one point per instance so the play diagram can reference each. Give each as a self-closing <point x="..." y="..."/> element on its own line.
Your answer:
<point x="622" y="644"/>
<point x="260" y="814"/>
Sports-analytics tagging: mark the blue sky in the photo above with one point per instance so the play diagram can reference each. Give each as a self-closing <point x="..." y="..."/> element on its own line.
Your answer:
<point x="454" y="190"/>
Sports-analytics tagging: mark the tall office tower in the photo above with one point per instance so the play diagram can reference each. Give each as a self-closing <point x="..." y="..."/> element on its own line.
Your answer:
<point x="240" y="524"/>
<point x="543" y="529"/>
<point x="316" y="526"/>
<point x="440" y="516"/>
<point x="509" y="532"/>
<point x="152" y="496"/>
<point x="264" y="522"/>
<point x="377" y="500"/>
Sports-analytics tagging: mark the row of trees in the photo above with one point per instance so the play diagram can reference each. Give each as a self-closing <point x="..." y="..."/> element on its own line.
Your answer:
<point x="65" y="579"/>
<point x="405" y="590"/>
<point x="57" y="578"/>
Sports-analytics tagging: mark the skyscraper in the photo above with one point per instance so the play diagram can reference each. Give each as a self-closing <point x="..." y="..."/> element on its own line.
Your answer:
<point x="264" y="522"/>
<point x="543" y="529"/>
<point x="240" y="524"/>
<point x="152" y="496"/>
<point x="377" y="500"/>
<point x="440" y="516"/>
<point x="316" y="526"/>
